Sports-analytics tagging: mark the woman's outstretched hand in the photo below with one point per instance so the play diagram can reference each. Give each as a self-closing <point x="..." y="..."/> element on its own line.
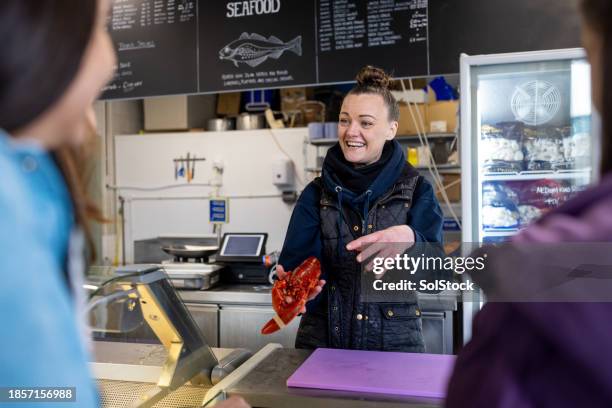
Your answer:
<point x="386" y="243"/>
<point x="280" y="272"/>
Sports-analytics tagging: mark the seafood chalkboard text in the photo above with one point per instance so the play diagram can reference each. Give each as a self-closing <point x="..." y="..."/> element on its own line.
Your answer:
<point x="252" y="7"/>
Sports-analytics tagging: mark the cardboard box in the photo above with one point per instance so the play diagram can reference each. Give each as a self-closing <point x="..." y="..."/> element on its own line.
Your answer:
<point x="443" y="111"/>
<point x="407" y="125"/>
<point x="414" y="96"/>
<point x="452" y="184"/>
<point x="228" y="104"/>
<point x="178" y="112"/>
<point x="291" y="98"/>
<point x="438" y="126"/>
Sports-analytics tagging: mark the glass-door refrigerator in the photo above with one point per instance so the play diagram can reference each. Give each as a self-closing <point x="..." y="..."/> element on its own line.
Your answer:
<point x="526" y="141"/>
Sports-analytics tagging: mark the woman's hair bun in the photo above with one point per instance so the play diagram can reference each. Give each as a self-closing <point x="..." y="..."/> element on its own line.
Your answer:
<point x="375" y="81"/>
<point x="373" y="77"/>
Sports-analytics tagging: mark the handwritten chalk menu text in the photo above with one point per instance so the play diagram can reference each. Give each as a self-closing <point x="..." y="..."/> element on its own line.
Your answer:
<point x="391" y="34"/>
<point x="256" y="44"/>
<point x="156" y="44"/>
<point x="167" y="47"/>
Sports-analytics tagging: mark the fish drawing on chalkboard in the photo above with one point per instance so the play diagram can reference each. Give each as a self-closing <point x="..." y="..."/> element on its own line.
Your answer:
<point x="254" y="49"/>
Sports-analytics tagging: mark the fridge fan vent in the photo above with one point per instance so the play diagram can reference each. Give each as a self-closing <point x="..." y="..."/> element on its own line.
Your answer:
<point x="535" y="102"/>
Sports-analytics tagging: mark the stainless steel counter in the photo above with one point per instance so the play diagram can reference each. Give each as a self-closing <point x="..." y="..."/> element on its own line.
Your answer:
<point x="265" y="386"/>
<point x="260" y="295"/>
<point x="230" y="294"/>
<point x="133" y="361"/>
<point x="232" y="316"/>
<point x="124" y="371"/>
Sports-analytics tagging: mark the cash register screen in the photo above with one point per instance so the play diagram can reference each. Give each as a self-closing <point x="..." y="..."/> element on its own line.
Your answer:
<point x="242" y="245"/>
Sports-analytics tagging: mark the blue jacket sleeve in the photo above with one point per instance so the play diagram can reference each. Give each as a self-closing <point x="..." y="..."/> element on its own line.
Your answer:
<point x="425" y="217"/>
<point x="303" y="238"/>
<point x="40" y="338"/>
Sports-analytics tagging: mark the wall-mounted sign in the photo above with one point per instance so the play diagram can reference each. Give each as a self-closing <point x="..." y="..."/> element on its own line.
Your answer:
<point x="218" y="210"/>
<point x="256" y="44"/>
<point x="169" y="47"/>
<point x="156" y="44"/>
<point x="388" y="34"/>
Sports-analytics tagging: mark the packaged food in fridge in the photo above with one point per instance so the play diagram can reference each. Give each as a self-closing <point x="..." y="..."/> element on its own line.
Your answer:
<point x="543" y="194"/>
<point x="501" y="147"/>
<point x="577" y="143"/>
<point x="499" y="206"/>
<point x="537" y="197"/>
<point x="577" y="146"/>
<point x="499" y="218"/>
<point x="543" y="147"/>
<point x="496" y="192"/>
<point x="528" y="214"/>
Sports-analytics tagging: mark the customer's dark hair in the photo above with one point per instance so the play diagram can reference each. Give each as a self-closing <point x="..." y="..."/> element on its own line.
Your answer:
<point x="372" y="80"/>
<point x="598" y="16"/>
<point x="42" y="45"/>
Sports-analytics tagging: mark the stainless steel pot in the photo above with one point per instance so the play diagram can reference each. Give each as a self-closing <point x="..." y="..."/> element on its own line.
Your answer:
<point x="218" y="125"/>
<point x="190" y="251"/>
<point x="246" y="121"/>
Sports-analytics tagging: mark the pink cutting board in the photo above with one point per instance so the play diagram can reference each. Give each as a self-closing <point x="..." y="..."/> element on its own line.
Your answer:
<point x="408" y="374"/>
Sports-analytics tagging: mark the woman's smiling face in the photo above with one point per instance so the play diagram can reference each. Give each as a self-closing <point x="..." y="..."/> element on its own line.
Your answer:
<point x="364" y="127"/>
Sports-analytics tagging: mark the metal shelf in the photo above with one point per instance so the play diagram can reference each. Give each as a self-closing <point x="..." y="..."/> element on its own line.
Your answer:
<point x="456" y="206"/>
<point x="445" y="168"/>
<point x="415" y="138"/>
<point x="450" y="170"/>
<point x="538" y="175"/>
<point x="500" y="233"/>
<point x="399" y="138"/>
<point x="323" y="142"/>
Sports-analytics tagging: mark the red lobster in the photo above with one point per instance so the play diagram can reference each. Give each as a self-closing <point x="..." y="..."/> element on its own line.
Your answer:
<point x="296" y="285"/>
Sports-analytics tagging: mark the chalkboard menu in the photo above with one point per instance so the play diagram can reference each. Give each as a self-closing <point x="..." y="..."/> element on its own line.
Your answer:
<point x="386" y="33"/>
<point x="253" y="44"/>
<point x="156" y="44"/>
<point x="169" y="47"/>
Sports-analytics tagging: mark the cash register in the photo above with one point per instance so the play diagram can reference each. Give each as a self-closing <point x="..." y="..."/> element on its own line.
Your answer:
<point x="244" y="259"/>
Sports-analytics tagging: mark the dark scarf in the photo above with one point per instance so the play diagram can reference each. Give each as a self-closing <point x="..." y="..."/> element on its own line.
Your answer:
<point x="355" y="182"/>
<point x="359" y="186"/>
<point x="356" y="179"/>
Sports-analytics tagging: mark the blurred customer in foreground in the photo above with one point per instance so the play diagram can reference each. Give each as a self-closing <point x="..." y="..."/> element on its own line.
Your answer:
<point x="550" y="354"/>
<point x="55" y="57"/>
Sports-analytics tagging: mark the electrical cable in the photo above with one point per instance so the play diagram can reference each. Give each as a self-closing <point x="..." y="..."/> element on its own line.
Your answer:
<point x="430" y="162"/>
